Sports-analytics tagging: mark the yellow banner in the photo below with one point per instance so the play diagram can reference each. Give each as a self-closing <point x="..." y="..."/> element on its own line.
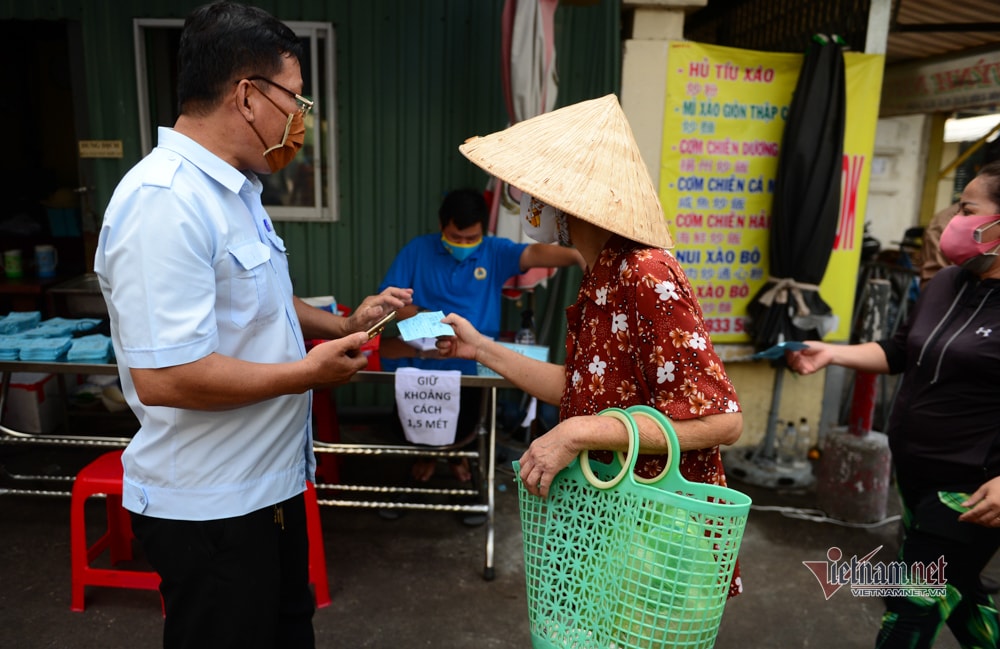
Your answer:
<point x="722" y="133"/>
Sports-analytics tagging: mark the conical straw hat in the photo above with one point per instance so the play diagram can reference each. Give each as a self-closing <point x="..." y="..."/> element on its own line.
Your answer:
<point x="583" y="160"/>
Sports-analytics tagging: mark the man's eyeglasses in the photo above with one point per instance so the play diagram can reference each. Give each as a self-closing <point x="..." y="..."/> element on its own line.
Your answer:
<point x="304" y="105"/>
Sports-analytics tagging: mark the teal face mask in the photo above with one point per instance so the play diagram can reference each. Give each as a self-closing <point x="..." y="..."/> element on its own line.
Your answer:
<point x="460" y="250"/>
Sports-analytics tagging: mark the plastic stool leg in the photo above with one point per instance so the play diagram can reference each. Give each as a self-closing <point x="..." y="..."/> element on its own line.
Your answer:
<point x="317" y="554"/>
<point x="120" y="529"/>
<point x="326" y="429"/>
<point x="102" y="476"/>
<point x="78" y="550"/>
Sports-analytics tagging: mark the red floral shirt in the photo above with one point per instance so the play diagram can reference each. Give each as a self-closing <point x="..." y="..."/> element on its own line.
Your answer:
<point x="636" y="336"/>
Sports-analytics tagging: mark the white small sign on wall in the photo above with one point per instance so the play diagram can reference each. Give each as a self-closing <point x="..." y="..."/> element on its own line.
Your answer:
<point x="427" y="403"/>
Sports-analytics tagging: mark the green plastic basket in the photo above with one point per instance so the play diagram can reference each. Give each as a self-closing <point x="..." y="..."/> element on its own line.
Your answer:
<point x="629" y="564"/>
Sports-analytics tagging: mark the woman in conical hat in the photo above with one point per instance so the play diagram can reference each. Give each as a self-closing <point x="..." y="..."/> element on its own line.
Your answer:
<point x="635" y="335"/>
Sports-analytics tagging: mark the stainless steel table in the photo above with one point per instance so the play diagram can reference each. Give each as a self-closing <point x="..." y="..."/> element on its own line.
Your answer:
<point x="483" y="487"/>
<point x="9" y="435"/>
<point x="485" y="456"/>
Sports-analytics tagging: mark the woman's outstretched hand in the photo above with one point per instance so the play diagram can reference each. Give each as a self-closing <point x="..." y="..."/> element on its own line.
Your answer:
<point x="984" y="505"/>
<point x="465" y="343"/>
<point x="811" y="359"/>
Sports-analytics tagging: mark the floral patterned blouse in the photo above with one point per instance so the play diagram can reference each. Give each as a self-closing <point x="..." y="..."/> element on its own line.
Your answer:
<point x="636" y="336"/>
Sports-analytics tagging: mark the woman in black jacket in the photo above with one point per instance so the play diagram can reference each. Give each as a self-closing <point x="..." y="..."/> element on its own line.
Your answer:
<point x="944" y="428"/>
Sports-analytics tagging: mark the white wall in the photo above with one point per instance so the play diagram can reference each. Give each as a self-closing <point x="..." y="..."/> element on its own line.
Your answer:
<point x="946" y="185"/>
<point x="897" y="177"/>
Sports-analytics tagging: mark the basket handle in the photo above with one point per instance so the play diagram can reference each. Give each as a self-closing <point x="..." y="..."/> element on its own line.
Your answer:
<point x="673" y="459"/>
<point x="633" y="451"/>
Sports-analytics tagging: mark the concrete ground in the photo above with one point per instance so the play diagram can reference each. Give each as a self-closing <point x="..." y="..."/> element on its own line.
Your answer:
<point x="417" y="581"/>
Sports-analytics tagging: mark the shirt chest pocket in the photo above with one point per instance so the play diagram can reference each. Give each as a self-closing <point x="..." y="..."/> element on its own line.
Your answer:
<point x="252" y="290"/>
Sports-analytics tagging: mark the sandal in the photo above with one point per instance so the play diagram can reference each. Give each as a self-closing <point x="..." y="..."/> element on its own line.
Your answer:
<point x="423" y="469"/>
<point x="460" y="469"/>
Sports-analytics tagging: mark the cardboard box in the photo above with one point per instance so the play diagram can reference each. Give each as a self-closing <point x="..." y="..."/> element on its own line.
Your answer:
<point x="34" y="404"/>
<point x="538" y="352"/>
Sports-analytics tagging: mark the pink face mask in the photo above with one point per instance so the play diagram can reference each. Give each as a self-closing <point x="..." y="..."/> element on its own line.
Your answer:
<point x="962" y="242"/>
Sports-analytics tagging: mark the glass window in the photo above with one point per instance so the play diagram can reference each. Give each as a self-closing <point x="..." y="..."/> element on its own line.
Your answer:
<point x="306" y="190"/>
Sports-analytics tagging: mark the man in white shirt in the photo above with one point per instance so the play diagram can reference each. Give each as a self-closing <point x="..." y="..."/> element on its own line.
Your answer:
<point x="210" y="341"/>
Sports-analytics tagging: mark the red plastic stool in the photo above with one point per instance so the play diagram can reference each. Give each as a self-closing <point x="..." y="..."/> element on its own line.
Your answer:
<point x="326" y="428"/>
<point x="326" y="424"/>
<point x="317" y="555"/>
<point x="104" y="476"/>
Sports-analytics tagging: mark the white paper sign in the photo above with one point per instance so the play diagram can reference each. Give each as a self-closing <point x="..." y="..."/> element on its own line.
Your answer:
<point x="427" y="403"/>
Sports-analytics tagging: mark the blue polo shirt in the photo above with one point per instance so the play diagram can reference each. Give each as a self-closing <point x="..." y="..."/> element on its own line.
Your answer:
<point x="189" y="264"/>
<point x="471" y="287"/>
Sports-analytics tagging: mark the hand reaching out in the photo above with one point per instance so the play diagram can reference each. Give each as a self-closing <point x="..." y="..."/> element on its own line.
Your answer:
<point x="374" y="307"/>
<point x="984" y="505"/>
<point x="811" y="359"/>
<point x="465" y="343"/>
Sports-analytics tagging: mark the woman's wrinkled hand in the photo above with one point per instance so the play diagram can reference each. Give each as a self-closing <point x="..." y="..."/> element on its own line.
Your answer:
<point x="465" y="343"/>
<point x="545" y="458"/>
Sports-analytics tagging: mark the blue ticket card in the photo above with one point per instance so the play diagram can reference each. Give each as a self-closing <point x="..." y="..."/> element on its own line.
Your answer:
<point x="426" y="324"/>
<point x="777" y="351"/>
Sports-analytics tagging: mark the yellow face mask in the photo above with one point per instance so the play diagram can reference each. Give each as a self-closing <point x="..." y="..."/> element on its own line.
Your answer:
<point x="279" y="155"/>
<point x="460" y="250"/>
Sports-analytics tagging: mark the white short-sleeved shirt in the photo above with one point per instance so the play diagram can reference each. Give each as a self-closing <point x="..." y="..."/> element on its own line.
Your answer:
<point x="189" y="264"/>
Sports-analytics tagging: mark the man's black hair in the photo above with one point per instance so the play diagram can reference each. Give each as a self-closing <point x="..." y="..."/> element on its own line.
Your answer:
<point x="464" y="208"/>
<point x="224" y="42"/>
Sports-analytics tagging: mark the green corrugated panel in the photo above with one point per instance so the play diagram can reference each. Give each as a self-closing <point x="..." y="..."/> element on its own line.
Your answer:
<point x="414" y="79"/>
<point x="41" y="9"/>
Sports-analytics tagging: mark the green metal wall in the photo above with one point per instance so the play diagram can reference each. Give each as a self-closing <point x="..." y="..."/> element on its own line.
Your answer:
<point x="414" y="79"/>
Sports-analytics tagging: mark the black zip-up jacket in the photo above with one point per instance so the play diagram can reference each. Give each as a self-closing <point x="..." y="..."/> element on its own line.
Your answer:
<point x="945" y="423"/>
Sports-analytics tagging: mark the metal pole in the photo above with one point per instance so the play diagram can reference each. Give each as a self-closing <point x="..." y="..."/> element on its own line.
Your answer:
<point x="766" y="451"/>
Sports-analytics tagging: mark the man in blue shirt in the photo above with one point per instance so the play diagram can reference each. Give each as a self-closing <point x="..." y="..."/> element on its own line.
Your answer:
<point x="210" y="342"/>
<point x="459" y="270"/>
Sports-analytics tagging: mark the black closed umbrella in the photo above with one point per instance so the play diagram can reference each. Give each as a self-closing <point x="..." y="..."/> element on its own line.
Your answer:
<point x="806" y="203"/>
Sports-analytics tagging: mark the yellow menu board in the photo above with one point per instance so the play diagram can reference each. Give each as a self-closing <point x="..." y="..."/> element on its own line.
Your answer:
<point x="722" y="134"/>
